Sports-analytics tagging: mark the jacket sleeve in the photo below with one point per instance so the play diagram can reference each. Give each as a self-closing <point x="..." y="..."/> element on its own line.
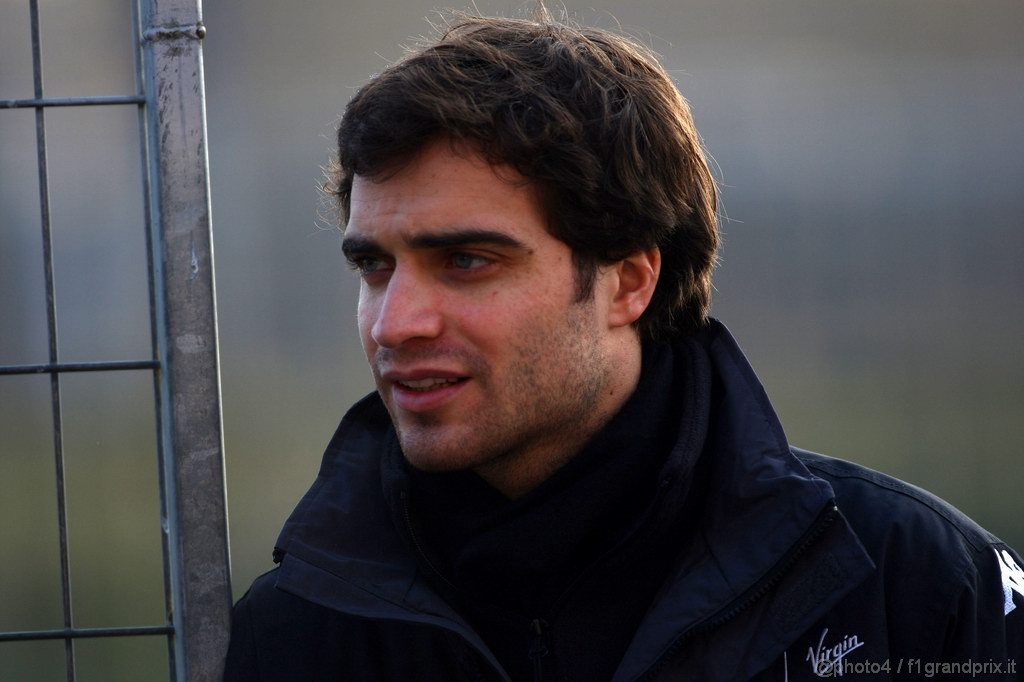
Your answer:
<point x="986" y="622"/>
<point x="240" y="665"/>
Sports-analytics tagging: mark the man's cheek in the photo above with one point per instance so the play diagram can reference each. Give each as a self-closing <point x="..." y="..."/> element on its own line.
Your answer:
<point x="365" y="318"/>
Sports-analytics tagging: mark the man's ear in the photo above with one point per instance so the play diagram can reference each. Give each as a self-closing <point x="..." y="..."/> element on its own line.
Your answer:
<point x="632" y="286"/>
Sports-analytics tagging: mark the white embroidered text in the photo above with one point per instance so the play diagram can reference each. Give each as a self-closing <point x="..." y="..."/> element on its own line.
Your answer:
<point x="828" y="661"/>
<point x="1013" y="579"/>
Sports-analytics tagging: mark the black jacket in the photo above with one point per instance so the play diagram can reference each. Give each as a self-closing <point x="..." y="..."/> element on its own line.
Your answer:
<point x="801" y="567"/>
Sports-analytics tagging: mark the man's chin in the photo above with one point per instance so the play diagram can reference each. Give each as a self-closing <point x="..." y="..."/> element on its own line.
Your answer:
<point x="431" y="450"/>
<point x="437" y="462"/>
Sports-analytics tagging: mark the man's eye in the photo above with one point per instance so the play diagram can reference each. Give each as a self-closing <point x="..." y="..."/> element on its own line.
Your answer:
<point x="367" y="265"/>
<point x="467" y="261"/>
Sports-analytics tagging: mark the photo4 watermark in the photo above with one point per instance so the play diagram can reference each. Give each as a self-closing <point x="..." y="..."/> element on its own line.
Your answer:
<point x="958" y="670"/>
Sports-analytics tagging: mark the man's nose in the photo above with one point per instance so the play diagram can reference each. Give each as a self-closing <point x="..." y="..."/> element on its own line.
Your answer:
<point x="410" y="309"/>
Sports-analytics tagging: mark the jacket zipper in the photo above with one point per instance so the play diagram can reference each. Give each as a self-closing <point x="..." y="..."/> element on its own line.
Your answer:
<point x="539" y="648"/>
<point x="758" y="590"/>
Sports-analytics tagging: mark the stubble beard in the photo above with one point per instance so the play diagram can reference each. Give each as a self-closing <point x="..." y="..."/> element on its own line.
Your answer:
<point x="540" y="415"/>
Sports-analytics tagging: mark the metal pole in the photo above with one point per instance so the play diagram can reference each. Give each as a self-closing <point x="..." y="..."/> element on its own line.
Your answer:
<point x="195" y="510"/>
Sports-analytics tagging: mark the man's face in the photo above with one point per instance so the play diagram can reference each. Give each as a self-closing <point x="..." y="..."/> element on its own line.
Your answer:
<point x="467" y="315"/>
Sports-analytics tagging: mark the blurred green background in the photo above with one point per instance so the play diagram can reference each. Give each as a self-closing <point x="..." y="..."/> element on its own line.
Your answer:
<point x="871" y="156"/>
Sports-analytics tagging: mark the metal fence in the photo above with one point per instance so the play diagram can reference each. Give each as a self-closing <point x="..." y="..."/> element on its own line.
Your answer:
<point x="189" y="454"/>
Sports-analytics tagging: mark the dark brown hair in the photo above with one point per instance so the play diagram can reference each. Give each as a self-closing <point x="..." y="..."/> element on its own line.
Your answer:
<point x="588" y="117"/>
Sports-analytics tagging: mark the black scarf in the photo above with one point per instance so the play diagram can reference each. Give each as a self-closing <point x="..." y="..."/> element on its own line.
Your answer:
<point x="562" y="576"/>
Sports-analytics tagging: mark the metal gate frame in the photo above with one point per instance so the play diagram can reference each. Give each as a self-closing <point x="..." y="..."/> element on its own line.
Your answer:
<point x="172" y="121"/>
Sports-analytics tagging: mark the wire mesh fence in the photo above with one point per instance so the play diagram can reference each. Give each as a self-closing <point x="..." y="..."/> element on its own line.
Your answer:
<point x="188" y="451"/>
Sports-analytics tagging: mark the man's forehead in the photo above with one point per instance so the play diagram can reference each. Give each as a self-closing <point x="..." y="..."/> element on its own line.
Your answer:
<point x="462" y="200"/>
<point x="395" y="195"/>
<point x="440" y="168"/>
<point x="413" y="217"/>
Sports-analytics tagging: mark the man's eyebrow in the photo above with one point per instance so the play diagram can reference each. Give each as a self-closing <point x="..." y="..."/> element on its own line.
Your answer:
<point x="355" y="245"/>
<point x="464" y="237"/>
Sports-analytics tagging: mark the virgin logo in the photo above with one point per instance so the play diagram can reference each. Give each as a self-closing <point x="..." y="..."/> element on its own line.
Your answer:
<point x="827" y="661"/>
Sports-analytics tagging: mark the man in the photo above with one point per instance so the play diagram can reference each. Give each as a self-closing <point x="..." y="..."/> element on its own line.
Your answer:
<point x="568" y="471"/>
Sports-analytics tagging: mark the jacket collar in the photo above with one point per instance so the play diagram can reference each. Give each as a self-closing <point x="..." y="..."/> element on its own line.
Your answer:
<point x="767" y="522"/>
<point x="341" y="550"/>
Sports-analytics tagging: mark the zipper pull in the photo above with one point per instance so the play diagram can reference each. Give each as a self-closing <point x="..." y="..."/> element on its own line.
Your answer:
<point x="539" y="648"/>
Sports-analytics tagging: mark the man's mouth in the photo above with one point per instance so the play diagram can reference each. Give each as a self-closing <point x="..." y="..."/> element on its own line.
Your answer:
<point x="425" y="393"/>
<point x="428" y="384"/>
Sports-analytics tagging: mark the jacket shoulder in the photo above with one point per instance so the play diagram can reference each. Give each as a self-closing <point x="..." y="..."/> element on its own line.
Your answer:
<point x="277" y="636"/>
<point x="864" y="494"/>
<point x="263" y="603"/>
<point x="268" y="627"/>
<point x="951" y="589"/>
<point x="925" y="550"/>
